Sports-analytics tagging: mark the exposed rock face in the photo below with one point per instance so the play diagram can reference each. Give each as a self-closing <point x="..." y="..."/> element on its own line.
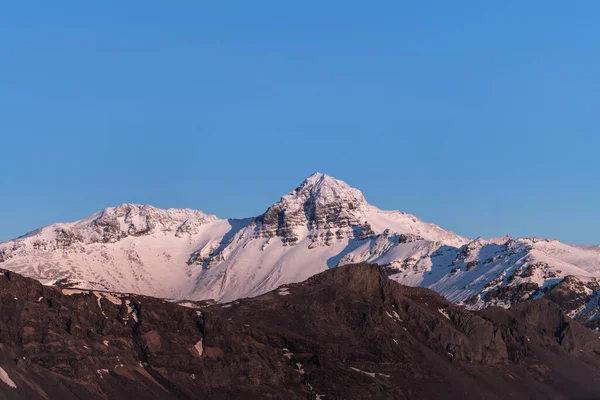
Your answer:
<point x="327" y="207"/>
<point x="347" y="333"/>
<point x="577" y="298"/>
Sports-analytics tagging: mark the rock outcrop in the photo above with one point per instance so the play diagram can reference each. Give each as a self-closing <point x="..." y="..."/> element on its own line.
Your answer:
<point x="328" y="208"/>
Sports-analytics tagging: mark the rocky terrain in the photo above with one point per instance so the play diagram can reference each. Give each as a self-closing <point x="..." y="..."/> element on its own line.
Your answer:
<point x="323" y="223"/>
<point x="348" y="333"/>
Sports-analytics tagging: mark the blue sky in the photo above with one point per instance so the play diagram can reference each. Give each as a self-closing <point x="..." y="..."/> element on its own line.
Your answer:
<point x="481" y="117"/>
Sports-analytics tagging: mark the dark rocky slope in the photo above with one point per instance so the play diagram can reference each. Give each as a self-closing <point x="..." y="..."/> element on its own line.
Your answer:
<point x="348" y="333"/>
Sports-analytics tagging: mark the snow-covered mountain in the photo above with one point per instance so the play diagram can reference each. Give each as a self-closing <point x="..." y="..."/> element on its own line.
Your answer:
<point x="323" y="223"/>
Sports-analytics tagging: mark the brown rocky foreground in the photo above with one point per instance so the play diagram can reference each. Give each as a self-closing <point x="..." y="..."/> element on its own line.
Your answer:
<point x="348" y="333"/>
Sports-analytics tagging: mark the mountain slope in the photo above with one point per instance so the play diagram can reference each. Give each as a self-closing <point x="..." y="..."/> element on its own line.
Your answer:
<point x="309" y="230"/>
<point x="346" y="333"/>
<point x="129" y="248"/>
<point x="321" y="224"/>
<point x="189" y="254"/>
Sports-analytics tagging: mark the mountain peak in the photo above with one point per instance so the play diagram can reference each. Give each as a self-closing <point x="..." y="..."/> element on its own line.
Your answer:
<point x="322" y="188"/>
<point x="319" y="202"/>
<point x="127" y="210"/>
<point x="319" y="177"/>
<point x="329" y="210"/>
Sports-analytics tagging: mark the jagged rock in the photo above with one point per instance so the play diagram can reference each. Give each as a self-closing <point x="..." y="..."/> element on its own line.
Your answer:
<point x="319" y="203"/>
<point x="511" y="294"/>
<point x="532" y="268"/>
<point x="3" y="255"/>
<point x="408" y="238"/>
<point x="471" y="265"/>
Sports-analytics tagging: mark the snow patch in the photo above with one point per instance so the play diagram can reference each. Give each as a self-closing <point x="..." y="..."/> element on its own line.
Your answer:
<point x="199" y="348"/>
<point x="187" y="304"/>
<point x="444" y="313"/>
<point x="394" y="315"/>
<point x="101" y="372"/>
<point x="112" y="297"/>
<point x="70" y="292"/>
<point x="6" y="379"/>
<point x="371" y="374"/>
<point x="287" y="354"/>
<point x="132" y="310"/>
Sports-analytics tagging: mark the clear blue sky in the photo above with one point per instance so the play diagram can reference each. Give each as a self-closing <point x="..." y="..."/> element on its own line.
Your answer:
<point x="479" y="116"/>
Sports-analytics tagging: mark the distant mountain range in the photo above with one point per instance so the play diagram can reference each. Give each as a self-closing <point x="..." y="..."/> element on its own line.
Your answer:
<point x="323" y="223"/>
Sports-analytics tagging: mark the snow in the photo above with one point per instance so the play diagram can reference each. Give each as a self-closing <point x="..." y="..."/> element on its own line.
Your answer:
<point x="371" y="374"/>
<point x="152" y="264"/>
<point x="394" y="315"/>
<point x="70" y="292"/>
<point x="112" y="297"/>
<point x="199" y="348"/>
<point x="444" y="313"/>
<point x="132" y="310"/>
<point x="6" y="379"/>
<point x="187" y="304"/>
<point x="187" y="254"/>
<point x="287" y="354"/>
<point x="102" y="371"/>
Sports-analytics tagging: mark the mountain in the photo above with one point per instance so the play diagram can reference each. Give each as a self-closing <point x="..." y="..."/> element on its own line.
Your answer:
<point x="348" y="332"/>
<point x="321" y="224"/>
<point x="318" y="225"/>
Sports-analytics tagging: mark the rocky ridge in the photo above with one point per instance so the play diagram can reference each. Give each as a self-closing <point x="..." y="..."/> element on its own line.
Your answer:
<point x="349" y="333"/>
